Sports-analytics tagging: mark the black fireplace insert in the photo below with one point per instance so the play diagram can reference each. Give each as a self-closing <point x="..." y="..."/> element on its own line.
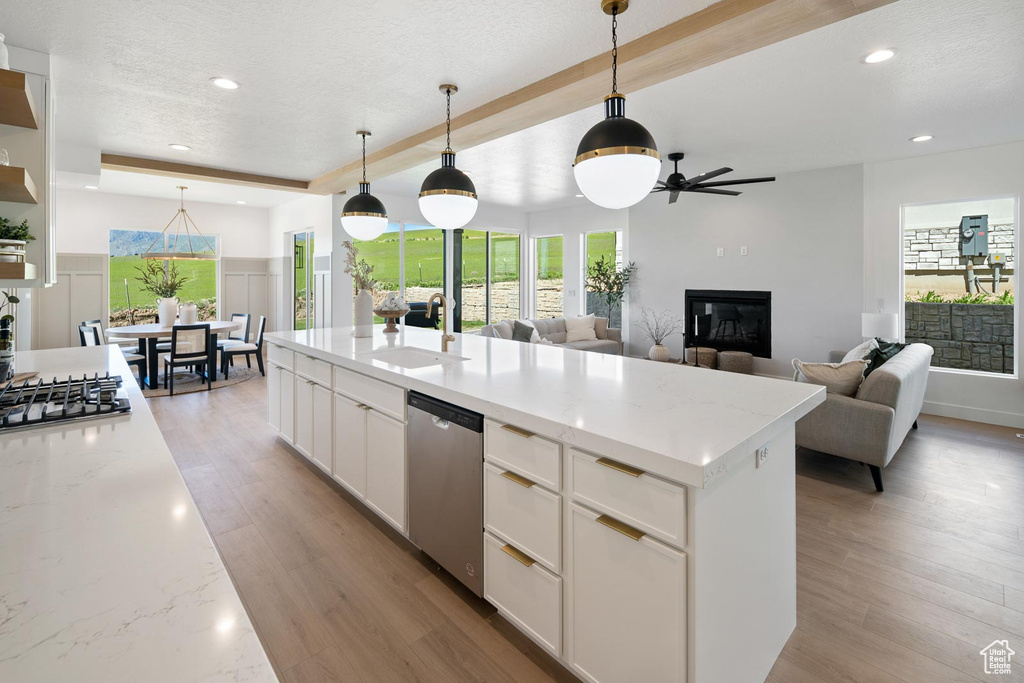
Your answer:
<point x="730" y="320"/>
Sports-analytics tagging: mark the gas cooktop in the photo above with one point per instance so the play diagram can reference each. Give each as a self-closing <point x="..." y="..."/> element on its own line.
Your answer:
<point x="38" y="403"/>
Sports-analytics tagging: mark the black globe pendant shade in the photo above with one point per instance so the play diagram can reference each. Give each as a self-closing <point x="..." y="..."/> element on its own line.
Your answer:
<point x="364" y="216"/>
<point x="448" y="197"/>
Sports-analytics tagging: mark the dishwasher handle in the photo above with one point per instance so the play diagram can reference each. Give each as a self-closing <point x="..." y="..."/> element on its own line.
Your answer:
<point x="439" y="422"/>
<point x="456" y="415"/>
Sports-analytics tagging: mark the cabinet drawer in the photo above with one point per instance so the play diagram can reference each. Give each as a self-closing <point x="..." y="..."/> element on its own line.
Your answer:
<point x="524" y="453"/>
<point x="524" y="592"/>
<point x="280" y="355"/>
<point x="380" y="395"/>
<point x="315" y="369"/>
<point x="640" y="500"/>
<point x="524" y="514"/>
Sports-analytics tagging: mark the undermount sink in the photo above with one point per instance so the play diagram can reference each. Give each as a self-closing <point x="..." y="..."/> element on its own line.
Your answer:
<point x="412" y="358"/>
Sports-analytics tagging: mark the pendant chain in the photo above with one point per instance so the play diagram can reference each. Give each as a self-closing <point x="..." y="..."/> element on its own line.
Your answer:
<point x="364" y="156"/>
<point x="448" y="119"/>
<point x="615" y="51"/>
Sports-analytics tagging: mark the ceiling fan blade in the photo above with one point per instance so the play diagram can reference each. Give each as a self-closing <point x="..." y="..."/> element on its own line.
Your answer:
<point x="661" y="182"/>
<point x="708" y="176"/>
<point x="743" y="181"/>
<point x="660" y="189"/>
<point x="673" y="197"/>
<point x="709" y="191"/>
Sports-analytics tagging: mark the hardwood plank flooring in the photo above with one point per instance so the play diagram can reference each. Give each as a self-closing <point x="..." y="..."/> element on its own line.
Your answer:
<point x="902" y="586"/>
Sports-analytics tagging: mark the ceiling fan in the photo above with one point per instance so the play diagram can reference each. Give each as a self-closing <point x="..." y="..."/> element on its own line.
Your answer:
<point x="677" y="182"/>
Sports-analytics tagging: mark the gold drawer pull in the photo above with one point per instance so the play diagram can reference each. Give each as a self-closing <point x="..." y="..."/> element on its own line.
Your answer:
<point x="363" y="406"/>
<point x="517" y="431"/>
<point x="522" y="481"/>
<point x="621" y="527"/>
<point x="619" y="467"/>
<point x="518" y="555"/>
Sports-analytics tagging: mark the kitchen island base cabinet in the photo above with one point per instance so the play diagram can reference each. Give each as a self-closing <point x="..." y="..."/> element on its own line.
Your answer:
<point x="350" y="444"/>
<point x="313" y="422"/>
<point x="627" y="604"/>
<point x="281" y="401"/>
<point x="385" y="467"/>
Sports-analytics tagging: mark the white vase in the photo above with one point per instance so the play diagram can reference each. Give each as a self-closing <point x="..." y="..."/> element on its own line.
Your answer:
<point x="659" y="352"/>
<point x="189" y="314"/>
<point x="168" y="310"/>
<point x="363" y="303"/>
<point x="5" y="63"/>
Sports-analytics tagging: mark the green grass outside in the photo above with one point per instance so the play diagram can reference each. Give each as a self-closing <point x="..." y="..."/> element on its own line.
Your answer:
<point x="201" y="284"/>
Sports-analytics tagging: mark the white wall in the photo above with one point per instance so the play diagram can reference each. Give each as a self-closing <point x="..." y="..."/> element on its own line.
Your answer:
<point x="803" y="236"/>
<point x="964" y="175"/>
<point x="85" y="217"/>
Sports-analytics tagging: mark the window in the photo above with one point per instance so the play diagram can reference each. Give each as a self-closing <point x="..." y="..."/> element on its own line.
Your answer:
<point x="474" y="280"/>
<point x="504" y="301"/>
<point x="303" y="282"/>
<point x="602" y="249"/>
<point x="424" y="262"/>
<point x="384" y="254"/>
<point x="548" y="294"/>
<point x="129" y="303"/>
<point x="490" y="278"/>
<point x="959" y="282"/>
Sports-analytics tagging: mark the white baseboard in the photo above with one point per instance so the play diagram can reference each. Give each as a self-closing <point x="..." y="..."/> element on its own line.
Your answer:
<point x="994" y="417"/>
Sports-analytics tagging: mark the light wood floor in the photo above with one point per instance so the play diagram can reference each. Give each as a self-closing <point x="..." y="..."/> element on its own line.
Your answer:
<point x="907" y="585"/>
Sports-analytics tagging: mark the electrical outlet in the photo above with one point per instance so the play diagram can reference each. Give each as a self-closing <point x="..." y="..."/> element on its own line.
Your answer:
<point x="743" y="250"/>
<point x="762" y="455"/>
<point x="721" y="251"/>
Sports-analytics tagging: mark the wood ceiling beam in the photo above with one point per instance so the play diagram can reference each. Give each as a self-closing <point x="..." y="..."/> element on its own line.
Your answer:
<point x="118" y="162"/>
<point x="726" y="29"/>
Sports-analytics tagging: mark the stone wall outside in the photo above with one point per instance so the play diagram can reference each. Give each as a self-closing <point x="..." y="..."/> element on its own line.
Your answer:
<point x="938" y="248"/>
<point x="964" y="336"/>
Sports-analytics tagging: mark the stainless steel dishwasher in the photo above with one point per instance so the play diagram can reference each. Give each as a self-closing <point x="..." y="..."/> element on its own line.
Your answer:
<point x="446" y="486"/>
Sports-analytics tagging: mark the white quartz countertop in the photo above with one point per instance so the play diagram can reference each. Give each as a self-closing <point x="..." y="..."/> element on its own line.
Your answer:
<point x="107" y="572"/>
<point x="687" y="424"/>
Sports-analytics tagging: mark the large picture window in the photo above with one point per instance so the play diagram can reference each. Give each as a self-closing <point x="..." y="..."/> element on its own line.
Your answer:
<point x="384" y="254"/>
<point x="603" y="250"/>
<point x="129" y="303"/>
<point x="504" y="301"/>
<point x="548" y="280"/>
<point x="959" y="282"/>
<point x="424" y="262"/>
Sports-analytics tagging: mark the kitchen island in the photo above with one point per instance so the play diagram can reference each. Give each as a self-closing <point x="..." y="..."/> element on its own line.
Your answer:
<point x="107" y="572"/>
<point x="639" y="518"/>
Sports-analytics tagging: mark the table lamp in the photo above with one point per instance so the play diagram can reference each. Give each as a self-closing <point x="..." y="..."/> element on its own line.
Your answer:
<point x="881" y="325"/>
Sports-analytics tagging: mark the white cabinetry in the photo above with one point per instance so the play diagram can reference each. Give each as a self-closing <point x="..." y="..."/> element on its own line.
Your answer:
<point x="350" y="444"/>
<point x="313" y="422"/>
<point x="385" y="467"/>
<point x="281" y="401"/>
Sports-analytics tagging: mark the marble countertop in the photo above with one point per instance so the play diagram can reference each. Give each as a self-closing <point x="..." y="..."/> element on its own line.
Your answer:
<point x="107" y="572"/>
<point x="686" y="424"/>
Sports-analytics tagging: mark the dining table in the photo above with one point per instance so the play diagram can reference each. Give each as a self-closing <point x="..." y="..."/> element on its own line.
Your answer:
<point x="149" y="335"/>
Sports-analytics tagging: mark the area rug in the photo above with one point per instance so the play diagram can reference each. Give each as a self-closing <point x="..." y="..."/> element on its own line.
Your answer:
<point x="188" y="382"/>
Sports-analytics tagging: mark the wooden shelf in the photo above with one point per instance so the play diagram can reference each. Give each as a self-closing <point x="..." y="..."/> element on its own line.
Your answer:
<point x="16" y="186"/>
<point x="17" y="107"/>
<point x="18" y="271"/>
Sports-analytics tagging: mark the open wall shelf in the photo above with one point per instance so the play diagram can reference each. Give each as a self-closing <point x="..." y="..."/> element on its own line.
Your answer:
<point x="16" y="104"/>
<point x="16" y="186"/>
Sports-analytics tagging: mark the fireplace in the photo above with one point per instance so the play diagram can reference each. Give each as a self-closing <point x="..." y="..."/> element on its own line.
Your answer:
<point x="729" y="320"/>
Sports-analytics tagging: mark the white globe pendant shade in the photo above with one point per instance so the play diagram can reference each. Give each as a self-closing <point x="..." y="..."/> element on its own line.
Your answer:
<point x="617" y="181"/>
<point x="448" y="211"/>
<point x="364" y="227"/>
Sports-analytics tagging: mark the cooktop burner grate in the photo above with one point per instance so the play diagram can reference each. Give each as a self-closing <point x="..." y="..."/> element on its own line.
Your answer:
<point x="39" y="403"/>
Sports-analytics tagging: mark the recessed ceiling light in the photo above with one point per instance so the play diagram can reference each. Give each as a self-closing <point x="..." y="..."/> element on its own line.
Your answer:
<point x="578" y="196"/>
<point x="879" y="56"/>
<point x="921" y="138"/>
<point x="91" y="187"/>
<point x="240" y="201"/>
<point x="180" y="148"/>
<point x="225" y="83"/>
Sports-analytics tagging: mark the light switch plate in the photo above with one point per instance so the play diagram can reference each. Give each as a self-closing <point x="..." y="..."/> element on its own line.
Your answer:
<point x="761" y="455"/>
<point x="721" y="251"/>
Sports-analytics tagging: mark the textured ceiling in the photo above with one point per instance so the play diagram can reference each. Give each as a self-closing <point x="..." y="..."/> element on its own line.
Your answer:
<point x="165" y="187"/>
<point x="132" y="77"/>
<point x="801" y="104"/>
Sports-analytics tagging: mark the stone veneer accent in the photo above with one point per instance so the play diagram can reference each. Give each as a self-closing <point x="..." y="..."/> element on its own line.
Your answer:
<point x="964" y="336"/>
<point x="938" y="248"/>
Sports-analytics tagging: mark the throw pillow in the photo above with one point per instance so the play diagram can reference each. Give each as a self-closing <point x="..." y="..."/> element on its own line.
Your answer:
<point x="883" y="351"/>
<point x="580" y="329"/>
<point x="521" y="332"/>
<point x="502" y="330"/>
<point x="536" y="335"/>
<point x="601" y="327"/>
<point x="837" y="378"/>
<point x="861" y="351"/>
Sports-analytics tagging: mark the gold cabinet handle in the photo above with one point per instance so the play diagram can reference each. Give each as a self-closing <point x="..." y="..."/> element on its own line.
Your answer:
<point x="518" y="555"/>
<point x="522" y="481"/>
<point x="621" y="527"/>
<point x="619" y="467"/>
<point x="517" y="431"/>
<point x="363" y="406"/>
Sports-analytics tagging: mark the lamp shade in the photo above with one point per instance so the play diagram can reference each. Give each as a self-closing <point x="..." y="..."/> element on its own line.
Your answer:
<point x="448" y="197"/>
<point x="881" y="325"/>
<point x="364" y="216"/>
<point x="617" y="162"/>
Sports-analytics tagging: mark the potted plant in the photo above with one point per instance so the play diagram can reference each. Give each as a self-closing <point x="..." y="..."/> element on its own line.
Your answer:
<point x="609" y="283"/>
<point x="658" y="327"/>
<point x="165" y="285"/>
<point x="13" y="239"/>
<point x="362" y="277"/>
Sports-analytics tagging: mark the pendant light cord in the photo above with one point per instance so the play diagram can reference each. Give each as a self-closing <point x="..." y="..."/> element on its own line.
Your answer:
<point x="615" y="51"/>
<point x="448" y="119"/>
<point x="364" y="156"/>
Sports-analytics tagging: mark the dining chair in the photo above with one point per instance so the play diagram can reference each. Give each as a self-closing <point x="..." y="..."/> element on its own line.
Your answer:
<point x="237" y="336"/>
<point x="247" y="349"/>
<point x="90" y="333"/>
<point x="190" y="347"/>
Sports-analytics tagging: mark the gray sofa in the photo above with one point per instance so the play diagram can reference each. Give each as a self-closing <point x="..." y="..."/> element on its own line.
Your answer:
<point x="609" y="339"/>
<point x="871" y="426"/>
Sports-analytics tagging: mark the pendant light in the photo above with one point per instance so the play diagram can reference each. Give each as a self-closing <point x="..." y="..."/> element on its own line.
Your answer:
<point x="364" y="216"/>
<point x="193" y="239"/>
<point x="617" y="162"/>
<point x="448" y="197"/>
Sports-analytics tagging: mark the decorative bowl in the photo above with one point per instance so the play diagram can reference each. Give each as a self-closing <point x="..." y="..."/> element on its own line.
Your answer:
<point x="391" y="316"/>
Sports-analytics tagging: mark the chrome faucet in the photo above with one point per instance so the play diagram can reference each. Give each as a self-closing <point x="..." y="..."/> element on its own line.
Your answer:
<point x="445" y="337"/>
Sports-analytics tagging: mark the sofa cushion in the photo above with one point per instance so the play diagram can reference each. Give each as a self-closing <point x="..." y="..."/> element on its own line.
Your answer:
<point x="552" y="329"/>
<point x="502" y="330"/>
<point x="580" y="329"/>
<point x="601" y="327"/>
<point x="861" y="351"/>
<point x="534" y="336"/>
<point x="521" y="332"/>
<point x="882" y="352"/>
<point x="837" y="378"/>
<point x="595" y="345"/>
